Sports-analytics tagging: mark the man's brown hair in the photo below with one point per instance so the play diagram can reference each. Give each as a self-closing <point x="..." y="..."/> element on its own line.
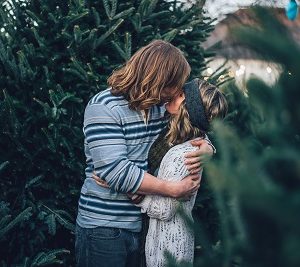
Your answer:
<point x="155" y="67"/>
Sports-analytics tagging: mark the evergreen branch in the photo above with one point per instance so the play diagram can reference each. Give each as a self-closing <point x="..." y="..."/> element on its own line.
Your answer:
<point x="143" y="7"/>
<point x="90" y="40"/>
<point x="113" y="8"/>
<point x="11" y="112"/>
<point x="61" y="220"/>
<point x="78" y="66"/>
<point x="65" y="143"/>
<point x="50" y="220"/>
<point x="109" y="32"/>
<point x="45" y="106"/>
<point x="51" y="144"/>
<point x="24" y="215"/>
<point x="128" y="44"/>
<point x="33" y="181"/>
<point x="66" y="224"/>
<point x="124" y="13"/>
<point x="63" y="212"/>
<point x="120" y="51"/>
<point x="76" y="73"/>
<point x="39" y="39"/>
<point x="146" y="28"/>
<point x="53" y="18"/>
<point x="151" y="7"/>
<point x="188" y="14"/>
<point x="4" y="221"/>
<point x="24" y="66"/>
<point x="96" y="16"/>
<point x="169" y="36"/>
<point x="26" y="262"/>
<point x="72" y="19"/>
<point x="77" y="34"/>
<point x="157" y="15"/>
<point x="46" y="258"/>
<point x="34" y="17"/>
<point x="106" y="8"/>
<point x="3" y="165"/>
<point x="137" y="22"/>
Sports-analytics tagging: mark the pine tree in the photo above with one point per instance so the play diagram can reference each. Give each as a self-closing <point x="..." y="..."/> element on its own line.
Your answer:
<point x="256" y="176"/>
<point x="54" y="55"/>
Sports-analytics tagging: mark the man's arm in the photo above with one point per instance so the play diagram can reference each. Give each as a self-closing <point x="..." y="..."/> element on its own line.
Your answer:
<point x="184" y="188"/>
<point x="106" y="142"/>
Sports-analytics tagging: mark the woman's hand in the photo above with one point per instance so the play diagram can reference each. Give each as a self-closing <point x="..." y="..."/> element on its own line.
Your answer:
<point x="195" y="160"/>
<point x="136" y="198"/>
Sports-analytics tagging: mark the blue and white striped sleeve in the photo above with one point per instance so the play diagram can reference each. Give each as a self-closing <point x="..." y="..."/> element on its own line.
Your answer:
<point x="106" y="141"/>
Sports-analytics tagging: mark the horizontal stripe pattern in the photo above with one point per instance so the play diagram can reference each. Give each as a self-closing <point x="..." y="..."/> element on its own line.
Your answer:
<point x="116" y="145"/>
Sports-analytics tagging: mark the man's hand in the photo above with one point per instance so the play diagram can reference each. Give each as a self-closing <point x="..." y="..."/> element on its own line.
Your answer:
<point x="186" y="187"/>
<point x="195" y="160"/>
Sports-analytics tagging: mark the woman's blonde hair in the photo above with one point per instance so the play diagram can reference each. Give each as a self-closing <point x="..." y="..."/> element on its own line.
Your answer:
<point x="153" y="68"/>
<point x="215" y="105"/>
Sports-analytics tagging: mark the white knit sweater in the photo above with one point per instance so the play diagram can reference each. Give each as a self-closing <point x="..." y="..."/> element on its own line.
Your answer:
<point x="167" y="229"/>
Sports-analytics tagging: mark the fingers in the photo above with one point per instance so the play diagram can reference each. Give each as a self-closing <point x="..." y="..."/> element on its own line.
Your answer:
<point x="197" y="142"/>
<point x="94" y="176"/>
<point x="99" y="181"/>
<point x="194" y="177"/>
<point x="192" y="191"/>
<point x="195" y="170"/>
<point x="196" y="161"/>
<point x="191" y="161"/>
<point x="193" y="167"/>
<point x="192" y="154"/>
<point x="136" y="199"/>
<point x="102" y="184"/>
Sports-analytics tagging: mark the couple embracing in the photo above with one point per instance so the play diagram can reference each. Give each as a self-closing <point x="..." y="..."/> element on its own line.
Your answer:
<point x="144" y="136"/>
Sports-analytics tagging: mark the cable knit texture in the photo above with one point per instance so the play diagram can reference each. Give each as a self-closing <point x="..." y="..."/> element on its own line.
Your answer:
<point x="167" y="229"/>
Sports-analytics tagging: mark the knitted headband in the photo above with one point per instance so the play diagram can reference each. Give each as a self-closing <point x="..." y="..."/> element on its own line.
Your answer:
<point x="194" y="105"/>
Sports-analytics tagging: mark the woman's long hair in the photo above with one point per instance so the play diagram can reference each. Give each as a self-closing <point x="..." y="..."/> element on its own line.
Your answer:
<point x="153" y="68"/>
<point x="180" y="128"/>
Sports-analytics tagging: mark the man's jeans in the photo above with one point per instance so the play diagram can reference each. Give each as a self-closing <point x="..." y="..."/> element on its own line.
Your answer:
<point x="107" y="247"/>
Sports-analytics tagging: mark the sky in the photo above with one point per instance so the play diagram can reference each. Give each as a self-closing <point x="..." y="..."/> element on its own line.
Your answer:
<point x="217" y="8"/>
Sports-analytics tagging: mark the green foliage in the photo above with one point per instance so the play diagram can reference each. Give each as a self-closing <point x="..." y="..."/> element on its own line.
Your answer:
<point x="256" y="176"/>
<point x="54" y="55"/>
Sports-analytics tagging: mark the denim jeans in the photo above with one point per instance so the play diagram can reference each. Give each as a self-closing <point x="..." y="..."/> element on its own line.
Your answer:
<point x="107" y="247"/>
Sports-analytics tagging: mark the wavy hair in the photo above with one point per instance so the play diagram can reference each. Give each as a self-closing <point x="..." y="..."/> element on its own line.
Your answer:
<point x="215" y="105"/>
<point x="155" y="67"/>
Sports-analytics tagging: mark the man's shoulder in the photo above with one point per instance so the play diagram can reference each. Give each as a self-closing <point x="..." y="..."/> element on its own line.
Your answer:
<point x="105" y="97"/>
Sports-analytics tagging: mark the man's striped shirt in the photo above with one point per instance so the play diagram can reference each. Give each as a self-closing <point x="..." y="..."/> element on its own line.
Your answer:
<point x="117" y="142"/>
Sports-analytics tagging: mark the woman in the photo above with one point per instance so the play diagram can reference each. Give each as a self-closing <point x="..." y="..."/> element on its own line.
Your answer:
<point x="190" y="115"/>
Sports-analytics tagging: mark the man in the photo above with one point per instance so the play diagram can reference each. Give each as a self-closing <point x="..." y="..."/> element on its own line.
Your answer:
<point x="120" y="124"/>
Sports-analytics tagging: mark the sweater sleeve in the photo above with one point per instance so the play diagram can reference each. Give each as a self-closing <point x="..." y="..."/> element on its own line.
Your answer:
<point x="162" y="208"/>
<point x="105" y="138"/>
